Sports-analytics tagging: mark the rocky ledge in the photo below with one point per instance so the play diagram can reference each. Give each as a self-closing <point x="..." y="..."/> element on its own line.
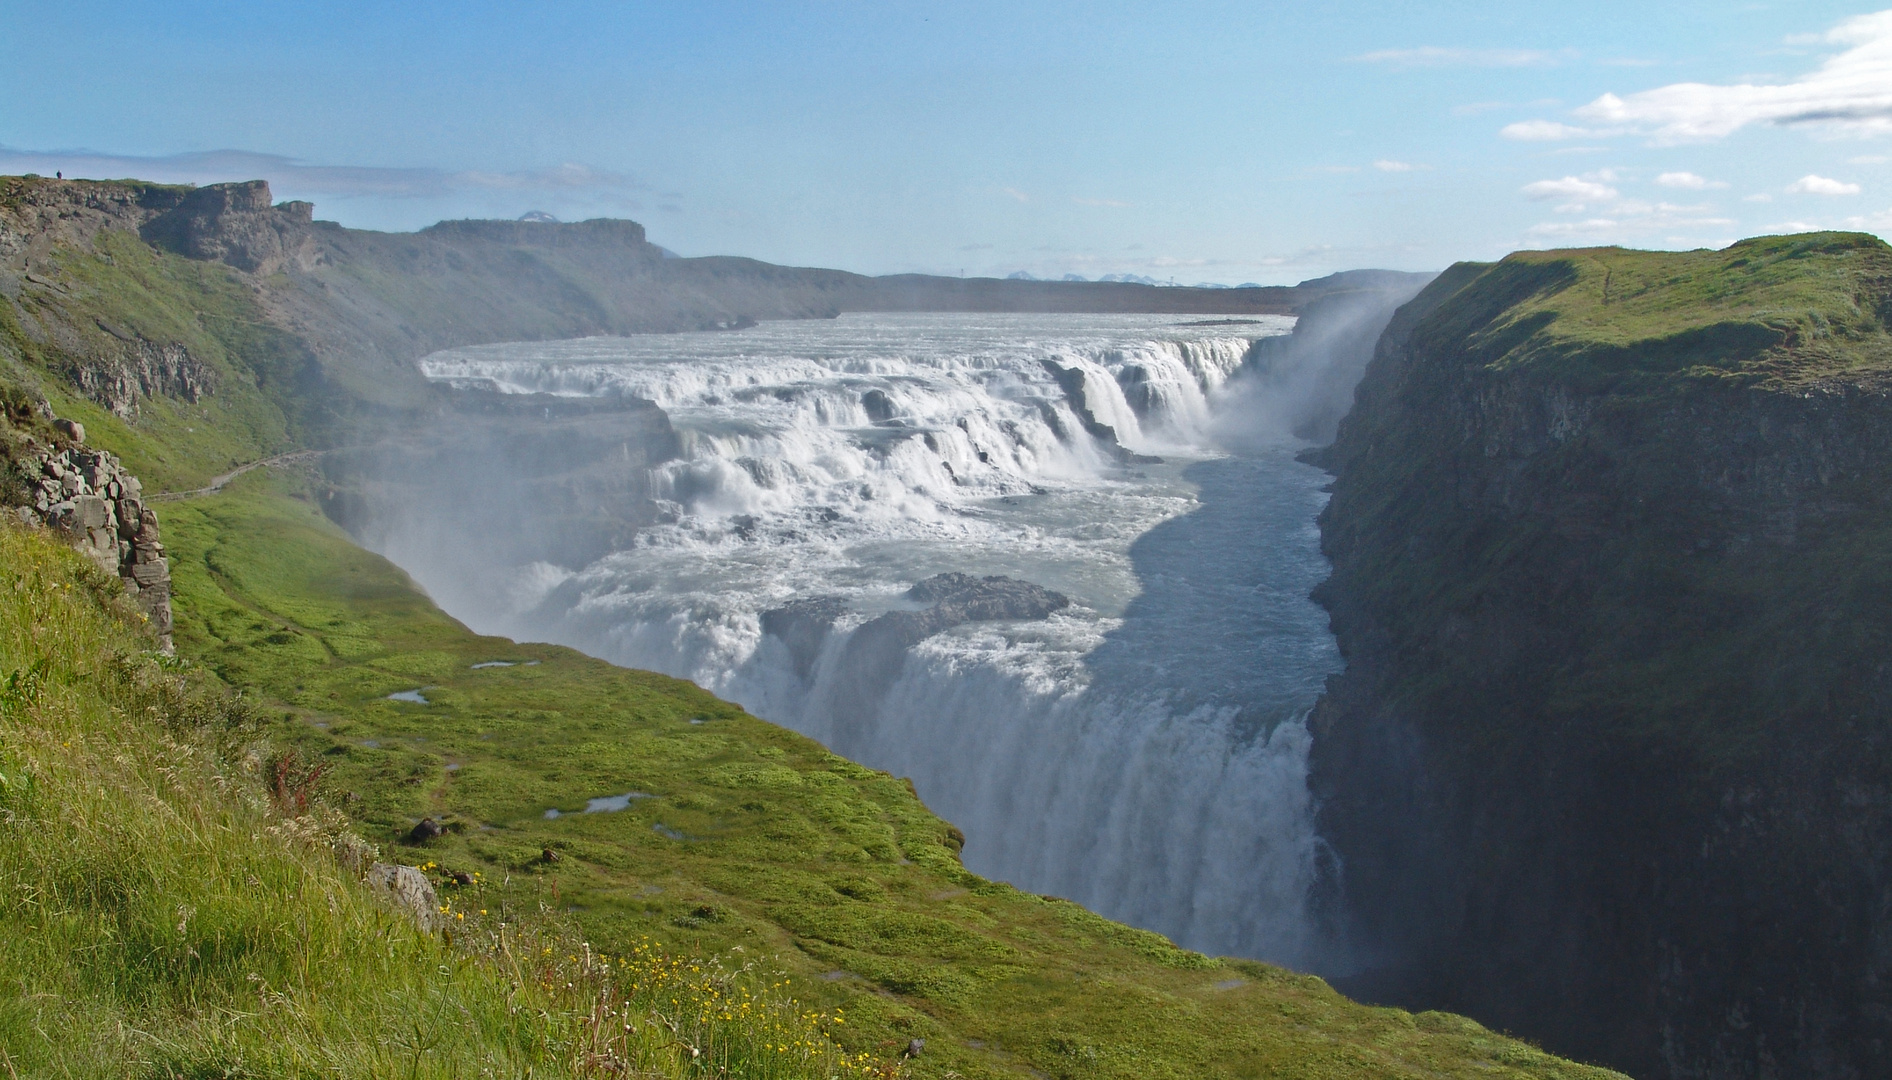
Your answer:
<point x="87" y="496"/>
<point x="871" y="660"/>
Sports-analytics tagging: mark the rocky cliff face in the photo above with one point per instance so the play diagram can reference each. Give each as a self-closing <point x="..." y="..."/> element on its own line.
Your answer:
<point x="87" y="497"/>
<point x="1609" y="763"/>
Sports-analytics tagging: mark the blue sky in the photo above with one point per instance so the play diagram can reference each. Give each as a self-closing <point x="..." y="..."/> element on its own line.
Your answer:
<point x="1196" y="141"/>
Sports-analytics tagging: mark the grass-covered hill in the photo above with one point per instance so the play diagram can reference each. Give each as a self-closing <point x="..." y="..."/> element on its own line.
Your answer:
<point x="1776" y="311"/>
<point x="1608" y="764"/>
<point x="182" y="841"/>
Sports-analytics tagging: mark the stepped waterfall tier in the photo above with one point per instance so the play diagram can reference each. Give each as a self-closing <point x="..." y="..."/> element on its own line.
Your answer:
<point x="1139" y="749"/>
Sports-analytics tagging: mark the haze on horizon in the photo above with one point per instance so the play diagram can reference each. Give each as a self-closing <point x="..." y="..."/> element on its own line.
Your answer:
<point x="1200" y="142"/>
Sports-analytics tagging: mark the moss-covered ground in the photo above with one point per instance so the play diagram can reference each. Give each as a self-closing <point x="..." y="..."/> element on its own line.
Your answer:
<point x="1779" y="311"/>
<point x="736" y="834"/>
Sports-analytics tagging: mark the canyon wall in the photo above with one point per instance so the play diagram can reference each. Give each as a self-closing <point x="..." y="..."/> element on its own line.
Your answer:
<point x="1609" y="766"/>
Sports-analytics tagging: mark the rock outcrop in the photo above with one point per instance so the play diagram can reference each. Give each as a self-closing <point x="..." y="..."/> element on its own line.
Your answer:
<point x="802" y="626"/>
<point x="1071" y="381"/>
<point x="1610" y="765"/>
<point x="237" y="224"/>
<point x="877" y="647"/>
<point x="408" y="890"/>
<point x="123" y="379"/>
<point x="88" y="497"/>
<point x="872" y="657"/>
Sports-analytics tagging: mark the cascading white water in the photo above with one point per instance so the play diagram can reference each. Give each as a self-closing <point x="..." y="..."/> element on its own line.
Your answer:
<point x="1142" y="751"/>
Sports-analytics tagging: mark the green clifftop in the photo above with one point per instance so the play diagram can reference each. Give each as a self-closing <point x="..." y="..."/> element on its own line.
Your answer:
<point x="1775" y="311"/>
<point x="1608" y="763"/>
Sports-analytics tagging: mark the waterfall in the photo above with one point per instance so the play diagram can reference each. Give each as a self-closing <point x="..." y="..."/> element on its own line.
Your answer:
<point x="1141" y="751"/>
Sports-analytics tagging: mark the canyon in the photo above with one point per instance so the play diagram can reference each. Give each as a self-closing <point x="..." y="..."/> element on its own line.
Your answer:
<point x="1596" y="749"/>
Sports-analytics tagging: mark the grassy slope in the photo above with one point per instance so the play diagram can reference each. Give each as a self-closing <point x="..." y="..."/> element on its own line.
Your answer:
<point x="261" y="375"/>
<point x="752" y="837"/>
<point x="161" y="917"/>
<point x="1779" y="311"/>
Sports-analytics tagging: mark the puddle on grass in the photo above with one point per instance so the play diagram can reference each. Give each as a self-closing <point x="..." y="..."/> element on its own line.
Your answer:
<point x="453" y="766"/>
<point x="410" y="695"/>
<point x="370" y="744"/>
<point x="664" y="830"/>
<point x="495" y="663"/>
<point x="605" y="805"/>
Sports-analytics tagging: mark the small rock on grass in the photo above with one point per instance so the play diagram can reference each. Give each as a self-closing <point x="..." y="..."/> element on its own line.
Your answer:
<point x="408" y="889"/>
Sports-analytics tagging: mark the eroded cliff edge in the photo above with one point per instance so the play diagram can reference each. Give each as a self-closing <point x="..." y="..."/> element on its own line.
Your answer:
<point x="1612" y="547"/>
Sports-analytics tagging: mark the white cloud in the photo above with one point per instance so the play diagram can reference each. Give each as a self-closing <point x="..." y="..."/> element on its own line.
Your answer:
<point x="1434" y="56"/>
<point x="1849" y="94"/>
<point x="1687" y="181"/>
<point x="1880" y="222"/>
<point x="1607" y="217"/>
<point x="1579" y="189"/>
<point x="1631" y="222"/>
<point x="1575" y="228"/>
<point x="1821" y="185"/>
<point x="1546" y="131"/>
<point x="1385" y="165"/>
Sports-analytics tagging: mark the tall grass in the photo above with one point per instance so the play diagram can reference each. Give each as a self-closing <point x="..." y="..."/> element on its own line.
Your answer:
<point x="163" y="914"/>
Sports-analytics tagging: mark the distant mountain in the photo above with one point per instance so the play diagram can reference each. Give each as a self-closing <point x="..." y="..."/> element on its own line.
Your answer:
<point x="364" y="305"/>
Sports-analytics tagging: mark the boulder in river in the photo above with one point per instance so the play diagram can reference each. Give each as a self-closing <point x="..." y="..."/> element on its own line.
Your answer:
<point x="803" y="626"/>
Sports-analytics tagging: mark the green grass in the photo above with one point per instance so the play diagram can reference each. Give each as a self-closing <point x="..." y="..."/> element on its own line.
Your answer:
<point x="752" y="838"/>
<point x="161" y="916"/>
<point x="1779" y="311"/>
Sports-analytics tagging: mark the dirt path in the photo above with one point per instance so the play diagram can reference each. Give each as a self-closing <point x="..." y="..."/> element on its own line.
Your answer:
<point x="217" y="482"/>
